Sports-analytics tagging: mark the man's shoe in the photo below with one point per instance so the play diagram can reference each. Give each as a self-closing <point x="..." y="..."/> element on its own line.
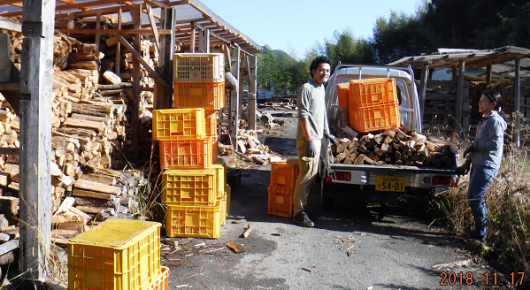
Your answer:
<point x="303" y="220"/>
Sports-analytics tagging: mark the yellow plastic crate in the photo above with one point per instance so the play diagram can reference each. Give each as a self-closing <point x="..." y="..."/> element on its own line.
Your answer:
<point x="118" y="254"/>
<point x="199" y="67"/>
<point x="221" y="178"/>
<point x="189" y="187"/>
<point x="222" y="199"/>
<point x="211" y="123"/>
<point x="194" y="221"/>
<point x="173" y="124"/>
<point x="161" y="281"/>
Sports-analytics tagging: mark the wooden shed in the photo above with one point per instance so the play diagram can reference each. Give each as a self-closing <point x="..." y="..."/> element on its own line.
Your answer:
<point x="450" y="99"/>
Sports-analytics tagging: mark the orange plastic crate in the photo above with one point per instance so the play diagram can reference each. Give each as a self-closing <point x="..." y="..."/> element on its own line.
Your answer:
<point x="284" y="174"/>
<point x="206" y="95"/>
<point x="189" y="187"/>
<point x="194" y="221"/>
<point x="118" y="254"/>
<point x="161" y="281"/>
<point x="173" y="124"/>
<point x="343" y="91"/>
<point x="280" y="202"/>
<point x="211" y="123"/>
<point x="187" y="154"/>
<point x="370" y="92"/>
<point x="374" y="118"/>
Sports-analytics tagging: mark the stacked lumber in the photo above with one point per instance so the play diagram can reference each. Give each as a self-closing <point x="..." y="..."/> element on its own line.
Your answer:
<point x="393" y="147"/>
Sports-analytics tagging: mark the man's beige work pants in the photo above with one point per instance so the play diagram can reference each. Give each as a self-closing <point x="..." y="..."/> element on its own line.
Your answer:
<point x="308" y="169"/>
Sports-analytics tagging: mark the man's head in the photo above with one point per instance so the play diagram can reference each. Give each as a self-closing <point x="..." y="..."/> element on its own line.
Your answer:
<point x="320" y="69"/>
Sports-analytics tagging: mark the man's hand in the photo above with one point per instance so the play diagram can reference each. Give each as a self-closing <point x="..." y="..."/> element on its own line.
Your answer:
<point x="331" y="138"/>
<point x="469" y="149"/>
<point x="311" y="150"/>
<point x="464" y="169"/>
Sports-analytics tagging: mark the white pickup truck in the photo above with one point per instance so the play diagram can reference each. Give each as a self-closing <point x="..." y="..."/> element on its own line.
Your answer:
<point x="360" y="182"/>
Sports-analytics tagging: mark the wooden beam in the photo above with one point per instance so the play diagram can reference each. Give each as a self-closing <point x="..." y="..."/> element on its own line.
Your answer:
<point x="9" y="151"/>
<point x="252" y="91"/>
<point x="152" y="73"/>
<point x="517" y="82"/>
<point x="460" y="92"/>
<point x="488" y="74"/>
<point x="8" y="25"/>
<point x="157" y="3"/>
<point x="192" y="41"/>
<point x="112" y="31"/>
<point x="165" y="59"/>
<point x="5" y="58"/>
<point x="241" y="80"/>
<point x="204" y="41"/>
<point x="136" y="15"/>
<point x="98" y="26"/>
<point x="423" y="87"/>
<point x="36" y="80"/>
<point x="118" y="46"/>
<point x="153" y="26"/>
<point x="235" y="58"/>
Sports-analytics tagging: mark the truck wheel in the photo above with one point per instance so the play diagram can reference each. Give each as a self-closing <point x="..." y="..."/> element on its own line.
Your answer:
<point x="328" y="200"/>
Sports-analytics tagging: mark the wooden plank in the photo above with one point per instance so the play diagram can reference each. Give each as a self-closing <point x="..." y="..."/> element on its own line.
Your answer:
<point x="9" y="151"/>
<point x="97" y="186"/>
<point x="114" y="31"/>
<point x="9" y="25"/>
<point x="36" y="80"/>
<point x="9" y="86"/>
<point x="100" y="126"/>
<point x="91" y="194"/>
<point x="136" y="56"/>
<point x="8" y="246"/>
<point x="460" y="92"/>
<point x="423" y="86"/>
<point x="153" y="25"/>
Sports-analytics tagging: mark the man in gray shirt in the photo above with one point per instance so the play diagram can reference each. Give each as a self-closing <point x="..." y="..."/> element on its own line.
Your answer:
<point x="312" y="127"/>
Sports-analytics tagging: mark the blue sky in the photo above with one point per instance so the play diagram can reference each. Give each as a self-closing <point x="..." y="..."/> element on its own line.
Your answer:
<point x="296" y="25"/>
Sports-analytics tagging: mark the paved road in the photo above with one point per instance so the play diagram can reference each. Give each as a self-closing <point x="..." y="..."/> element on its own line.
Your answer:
<point x="349" y="248"/>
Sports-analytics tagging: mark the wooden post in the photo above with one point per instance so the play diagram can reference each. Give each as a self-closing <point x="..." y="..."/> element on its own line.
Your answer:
<point x="204" y="41"/>
<point x="241" y="81"/>
<point x="423" y="86"/>
<point x="118" y="46"/>
<point x="5" y="58"/>
<point x="165" y="58"/>
<point x="488" y="74"/>
<point x="35" y="136"/>
<point x="192" y="41"/>
<point x="252" y="92"/>
<point x="136" y="15"/>
<point x="518" y="98"/>
<point x="235" y="59"/>
<point x="460" y="92"/>
<point x="98" y="26"/>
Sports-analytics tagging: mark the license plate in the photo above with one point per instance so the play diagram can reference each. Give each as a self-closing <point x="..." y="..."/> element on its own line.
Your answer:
<point x="390" y="183"/>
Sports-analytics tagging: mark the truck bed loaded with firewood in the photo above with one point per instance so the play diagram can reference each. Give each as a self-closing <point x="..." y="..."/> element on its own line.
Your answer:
<point x="381" y="151"/>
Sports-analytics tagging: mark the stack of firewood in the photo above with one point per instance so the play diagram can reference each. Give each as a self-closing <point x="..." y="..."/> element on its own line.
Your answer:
<point x="392" y="147"/>
<point x="90" y="125"/>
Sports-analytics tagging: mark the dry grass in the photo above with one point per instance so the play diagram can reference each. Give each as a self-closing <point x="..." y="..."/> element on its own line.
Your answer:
<point x="508" y="203"/>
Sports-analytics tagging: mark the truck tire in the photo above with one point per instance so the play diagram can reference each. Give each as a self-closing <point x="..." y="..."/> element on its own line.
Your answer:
<point x="328" y="200"/>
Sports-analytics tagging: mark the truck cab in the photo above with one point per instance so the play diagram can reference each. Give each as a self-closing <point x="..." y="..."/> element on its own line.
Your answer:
<point x="381" y="183"/>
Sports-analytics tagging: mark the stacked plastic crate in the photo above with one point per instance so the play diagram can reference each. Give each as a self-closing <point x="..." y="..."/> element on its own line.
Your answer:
<point x="117" y="254"/>
<point x="372" y="104"/>
<point x="283" y="181"/>
<point x="193" y="185"/>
